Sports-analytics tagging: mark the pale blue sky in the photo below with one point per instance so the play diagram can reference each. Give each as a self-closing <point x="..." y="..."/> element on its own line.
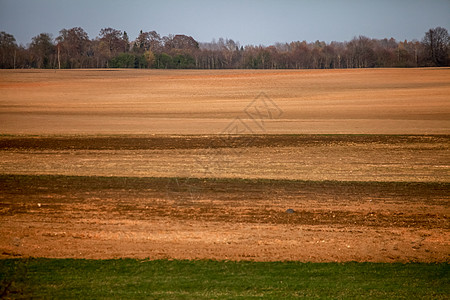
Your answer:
<point x="247" y="21"/>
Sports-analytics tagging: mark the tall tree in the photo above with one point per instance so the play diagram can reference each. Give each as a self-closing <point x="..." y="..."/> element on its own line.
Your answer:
<point x="181" y="42"/>
<point x="436" y="43"/>
<point x="113" y="39"/>
<point x="300" y="57"/>
<point x="111" y="43"/>
<point x="148" y="41"/>
<point x="360" y="53"/>
<point x="74" y="45"/>
<point x="8" y="50"/>
<point x="126" y="41"/>
<point x="111" y="48"/>
<point x="43" y="51"/>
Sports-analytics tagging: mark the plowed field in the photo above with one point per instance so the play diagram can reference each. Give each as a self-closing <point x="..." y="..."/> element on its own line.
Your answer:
<point x="337" y="165"/>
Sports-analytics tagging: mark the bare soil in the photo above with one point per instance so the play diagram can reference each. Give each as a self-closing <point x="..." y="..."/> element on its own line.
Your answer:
<point x="367" y="101"/>
<point x="195" y="217"/>
<point x="198" y="164"/>
<point x="297" y="157"/>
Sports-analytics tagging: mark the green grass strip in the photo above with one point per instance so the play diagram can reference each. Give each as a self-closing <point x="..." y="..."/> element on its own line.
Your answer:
<point x="183" y="279"/>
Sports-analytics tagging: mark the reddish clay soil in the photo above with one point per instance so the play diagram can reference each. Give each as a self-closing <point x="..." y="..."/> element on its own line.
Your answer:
<point x="198" y="164"/>
<point x="364" y="101"/>
<point x="226" y="218"/>
<point x="296" y="157"/>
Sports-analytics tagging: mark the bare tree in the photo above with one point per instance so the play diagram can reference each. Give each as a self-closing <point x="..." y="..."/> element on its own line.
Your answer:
<point x="436" y="42"/>
<point x="360" y="53"/>
<point x="113" y="38"/>
<point x="74" y="49"/>
<point x="181" y="42"/>
<point x="43" y="51"/>
<point x="74" y="45"/>
<point x="8" y="50"/>
<point x="148" y="41"/>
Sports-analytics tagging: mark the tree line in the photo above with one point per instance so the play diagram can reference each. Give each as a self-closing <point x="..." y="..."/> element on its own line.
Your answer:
<point x="73" y="48"/>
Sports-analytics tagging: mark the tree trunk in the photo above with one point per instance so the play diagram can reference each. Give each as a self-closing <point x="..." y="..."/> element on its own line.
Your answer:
<point x="59" y="61"/>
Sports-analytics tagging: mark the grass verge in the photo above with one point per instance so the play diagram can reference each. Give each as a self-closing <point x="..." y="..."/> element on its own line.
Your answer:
<point x="182" y="279"/>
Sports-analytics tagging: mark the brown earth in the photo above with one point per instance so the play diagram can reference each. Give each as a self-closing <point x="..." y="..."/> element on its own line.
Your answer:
<point x="299" y="157"/>
<point x="92" y="217"/>
<point x="108" y="214"/>
<point x="197" y="164"/>
<point x="374" y="101"/>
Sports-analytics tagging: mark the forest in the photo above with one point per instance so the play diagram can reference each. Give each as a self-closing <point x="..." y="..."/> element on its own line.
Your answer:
<point x="112" y="48"/>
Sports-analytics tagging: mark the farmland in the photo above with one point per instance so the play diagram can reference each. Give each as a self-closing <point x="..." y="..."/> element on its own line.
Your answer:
<point x="145" y="164"/>
<point x="367" y="101"/>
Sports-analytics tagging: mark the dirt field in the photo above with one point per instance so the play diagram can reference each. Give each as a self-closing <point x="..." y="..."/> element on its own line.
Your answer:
<point x="383" y="101"/>
<point x="113" y="163"/>
<point x="295" y="157"/>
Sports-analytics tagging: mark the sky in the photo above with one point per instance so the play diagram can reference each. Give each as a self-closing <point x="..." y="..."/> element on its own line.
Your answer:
<point x="256" y="22"/>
